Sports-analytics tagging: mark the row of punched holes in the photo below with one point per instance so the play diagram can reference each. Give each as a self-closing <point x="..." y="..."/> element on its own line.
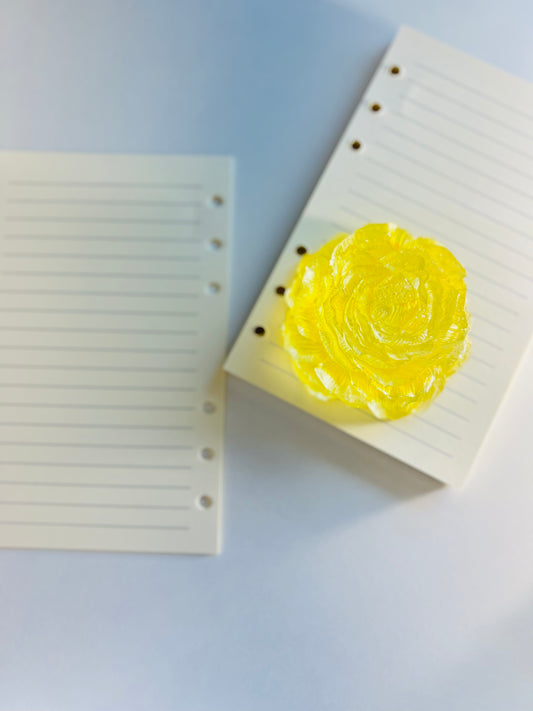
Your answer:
<point x="356" y="145"/>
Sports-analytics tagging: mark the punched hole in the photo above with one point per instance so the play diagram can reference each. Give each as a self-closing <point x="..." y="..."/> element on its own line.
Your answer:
<point x="280" y="290"/>
<point x="215" y="244"/>
<point x="356" y="145"/>
<point x="217" y="200"/>
<point x="209" y="407"/>
<point x="376" y="107"/>
<point x="301" y="250"/>
<point x="395" y="70"/>
<point x="205" y="501"/>
<point x="259" y="331"/>
<point x="213" y="287"/>
<point x="207" y="453"/>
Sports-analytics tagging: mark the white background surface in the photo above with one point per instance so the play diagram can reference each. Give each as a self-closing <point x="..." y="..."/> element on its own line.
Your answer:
<point x="348" y="582"/>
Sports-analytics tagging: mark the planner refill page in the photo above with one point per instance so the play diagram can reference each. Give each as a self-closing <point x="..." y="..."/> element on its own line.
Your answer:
<point x="441" y="145"/>
<point x="113" y="307"/>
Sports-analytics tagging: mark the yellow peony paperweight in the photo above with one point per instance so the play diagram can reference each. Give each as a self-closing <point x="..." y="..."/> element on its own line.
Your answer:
<point x="377" y="319"/>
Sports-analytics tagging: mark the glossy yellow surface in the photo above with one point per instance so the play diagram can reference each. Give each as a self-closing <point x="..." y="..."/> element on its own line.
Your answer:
<point x="377" y="319"/>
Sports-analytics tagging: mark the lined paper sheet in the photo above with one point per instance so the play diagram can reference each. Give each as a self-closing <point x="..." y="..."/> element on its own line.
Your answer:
<point x="113" y="308"/>
<point x="442" y="145"/>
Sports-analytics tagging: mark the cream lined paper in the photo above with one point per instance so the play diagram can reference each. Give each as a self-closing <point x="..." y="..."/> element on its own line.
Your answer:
<point x="442" y="145"/>
<point x="113" y="310"/>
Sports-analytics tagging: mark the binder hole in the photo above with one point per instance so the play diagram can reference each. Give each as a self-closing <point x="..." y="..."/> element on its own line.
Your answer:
<point x="395" y="70"/>
<point x="376" y="107"/>
<point x="207" y="453"/>
<point x="280" y="290"/>
<point x="217" y="200"/>
<point x="301" y="250"/>
<point x="213" y="288"/>
<point x="356" y="145"/>
<point x="259" y="331"/>
<point x="205" y="501"/>
<point x="209" y="407"/>
<point x="215" y="244"/>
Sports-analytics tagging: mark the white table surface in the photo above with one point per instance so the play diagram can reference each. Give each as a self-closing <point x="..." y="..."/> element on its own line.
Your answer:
<point x="347" y="582"/>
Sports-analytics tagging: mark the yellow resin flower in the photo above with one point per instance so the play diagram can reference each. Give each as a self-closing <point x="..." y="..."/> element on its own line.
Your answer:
<point x="377" y="319"/>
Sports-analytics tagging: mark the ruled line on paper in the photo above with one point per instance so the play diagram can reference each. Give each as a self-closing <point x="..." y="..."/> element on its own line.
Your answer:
<point x="476" y="132"/>
<point x="474" y="335"/>
<point x="438" y="405"/>
<point x="74" y="505"/>
<point x="98" y="445"/>
<point x="135" y="331"/>
<point x="277" y="345"/>
<point x="454" y="161"/>
<point x="76" y="292"/>
<point x="483" y="114"/>
<point x="95" y="368"/>
<point x="100" y="312"/>
<point x="445" y="238"/>
<point x="468" y="186"/>
<point x="294" y="377"/>
<point x="99" y="465"/>
<point x="482" y="361"/>
<point x="427" y="422"/>
<point x="92" y="349"/>
<point x="101" y="275"/>
<point x="492" y="302"/>
<point x="89" y="486"/>
<point x="384" y="423"/>
<point x="487" y="342"/>
<point x="103" y="184"/>
<point x="432" y="210"/>
<point x="490" y="322"/>
<point x="473" y="379"/>
<point x="110" y="388"/>
<point x="454" y="201"/>
<point x="419" y="440"/>
<point x="103" y="257"/>
<point x="92" y="406"/>
<point x="446" y="409"/>
<point x="449" y="411"/>
<point x="367" y="219"/>
<point x="495" y="282"/>
<point x="437" y="212"/>
<point x="467" y="248"/>
<point x="118" y="203"/>
<point x="102" y="220"/>
<point x="461" y="394"/>
<point x="515" y="109"/>
<point x="102" y="238"/>
<point x="64" y="524"/>
<point x="462" y="144"/>
<point x="99" y="426"/>
<point x="277" y="367"/>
